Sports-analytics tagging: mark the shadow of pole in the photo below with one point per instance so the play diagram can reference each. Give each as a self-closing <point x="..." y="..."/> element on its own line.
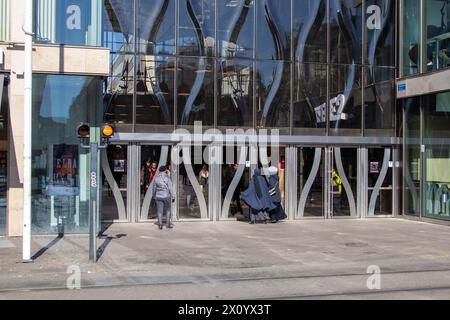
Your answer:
<point x="47" y="247"/>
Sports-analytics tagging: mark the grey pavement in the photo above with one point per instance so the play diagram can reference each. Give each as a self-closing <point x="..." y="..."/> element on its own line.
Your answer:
<point x="232" y="260"/>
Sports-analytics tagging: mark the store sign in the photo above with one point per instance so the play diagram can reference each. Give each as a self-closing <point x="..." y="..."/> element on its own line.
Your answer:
<point x="401" y="87"/>
<point x="336" y="110"/>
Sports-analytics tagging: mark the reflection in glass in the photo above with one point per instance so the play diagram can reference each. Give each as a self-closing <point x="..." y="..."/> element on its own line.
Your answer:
<point x="437" y="156"/>
<point x="412" y="175"/>
<point x="346" y="97"/>
<point x="379" y="98"/>
<point x="344" y="182"/>
<point x="310" y="95"/>
<point x="235" y="28"/>
<point x="235" y="93"/>
<point x="155" y="90"/>
<point x="156" y="26"/>
<point x="310" y="182"/>
<point x="410" y="44"/>
<point x="195" y="91"/>
<point x="310" y="30"/>
<point x="193" y="186"/>
<point x="60" y="167"/>
<point x="118" y="26"/>
<point x="196" y="31"/>
<point x="346" y="31"/>
<point x="115" y="178"/>
<point x="380" y="32"/>
<point x="438" y="34"/>
<point x="273" y="30"/>
<point x="273" y="94"/>
<point x="380" y="181"/>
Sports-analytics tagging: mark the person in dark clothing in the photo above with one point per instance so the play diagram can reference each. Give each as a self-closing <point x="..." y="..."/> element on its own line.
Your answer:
<point x="257" y="197"/>
<point x="278" y="213"/>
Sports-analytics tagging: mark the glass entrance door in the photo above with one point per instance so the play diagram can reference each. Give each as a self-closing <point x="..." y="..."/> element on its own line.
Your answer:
<point x="310" y="182"/>
<point x="344" y="182"/>
<point x="380" y="182"/>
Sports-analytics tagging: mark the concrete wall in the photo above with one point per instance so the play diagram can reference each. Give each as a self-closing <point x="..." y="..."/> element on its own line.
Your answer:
<point x="46" y="59"/>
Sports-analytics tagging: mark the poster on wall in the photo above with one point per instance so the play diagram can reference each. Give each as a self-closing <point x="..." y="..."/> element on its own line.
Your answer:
<point x="63" y="168"/>
<point x="374" y="167"/>
<point x="120" y="166"/>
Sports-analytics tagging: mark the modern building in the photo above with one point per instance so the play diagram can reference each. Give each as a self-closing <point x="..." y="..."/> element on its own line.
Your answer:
<point x="359" y="92"/>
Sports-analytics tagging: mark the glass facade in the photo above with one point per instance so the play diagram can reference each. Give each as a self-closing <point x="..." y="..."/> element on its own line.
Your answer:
<point x="59" y="167"/>
<point x="427" y="154"/>
<point x="289" y="64"/>
<point x="425" y="36"/>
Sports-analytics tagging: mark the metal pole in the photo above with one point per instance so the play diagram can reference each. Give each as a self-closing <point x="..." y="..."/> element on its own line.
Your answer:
<point x="93" y="204"/>
<point x="28" y="87"/>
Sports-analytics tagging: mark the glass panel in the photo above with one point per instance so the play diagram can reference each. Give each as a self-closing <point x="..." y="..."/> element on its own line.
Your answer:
<point x="380" y="32"/>
<point x="193" y="184"/>
<point x="273" y="30"/>
<point x="438" y="33"/>
<point x="235" y="28"/>
<point x="235" y="93"/>
<point x="152" y="158"/>
<point x="345" y="31"/>
<point x="118" y="26"/>
<point x="196" y="31"/>
<point x="380" y="181"/>
<point x="74" y="22"/>
<point x="156" y="26"/>
<point x="4" y="106"/>
<point x="115" y="178"/>
<point x="273" y="94"/>
<point x="60" y="168"/>
<point x="344" y="182"/>
<point x="195" y="91"/>
<point x="234" y="167"/>
<point x="346" y="98"/>
<point x="310" y="31"/>
<point x="412" y="174"/>
<point x="379" y="95"/>
<point x="310" y="182"/>
<point x="437" y="156"/>
<point x="310" y="96"/>
<point x="155" y="90"/>
<point x="410" y="46"/>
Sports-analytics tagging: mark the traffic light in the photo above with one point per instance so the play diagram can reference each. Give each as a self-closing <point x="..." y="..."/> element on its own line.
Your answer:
<point x="83" y="131"/>
<point x="107" y="131"/>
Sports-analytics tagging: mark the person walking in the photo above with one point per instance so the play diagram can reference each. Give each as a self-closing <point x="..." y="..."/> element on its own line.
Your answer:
<point x="257" y="197"/>
<point x="164" y="193"/>
<point x="278" y="213"/>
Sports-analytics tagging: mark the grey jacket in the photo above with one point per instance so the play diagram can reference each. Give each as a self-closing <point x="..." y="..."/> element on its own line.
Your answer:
<point x="163" y="187"/>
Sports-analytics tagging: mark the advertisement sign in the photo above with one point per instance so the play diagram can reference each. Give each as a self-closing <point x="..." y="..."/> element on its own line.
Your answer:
<point x="120" y="166"/>
<point x="64" y="170"/>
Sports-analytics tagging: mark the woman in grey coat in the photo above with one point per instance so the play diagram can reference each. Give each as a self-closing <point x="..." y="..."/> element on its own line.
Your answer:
<point x="164" y="194"/>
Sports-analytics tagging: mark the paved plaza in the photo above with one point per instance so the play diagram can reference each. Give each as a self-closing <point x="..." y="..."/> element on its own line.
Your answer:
<point x="233" y="260"/>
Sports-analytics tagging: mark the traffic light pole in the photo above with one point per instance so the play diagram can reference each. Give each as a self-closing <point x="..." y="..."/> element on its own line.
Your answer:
<point x="93" y="147"/>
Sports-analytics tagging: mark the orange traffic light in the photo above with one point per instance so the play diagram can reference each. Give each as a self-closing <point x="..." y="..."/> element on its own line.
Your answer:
<point x="108" y="131"/>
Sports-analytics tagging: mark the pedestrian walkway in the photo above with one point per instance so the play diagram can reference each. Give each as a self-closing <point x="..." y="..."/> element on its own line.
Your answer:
<point x="231" y="253"/>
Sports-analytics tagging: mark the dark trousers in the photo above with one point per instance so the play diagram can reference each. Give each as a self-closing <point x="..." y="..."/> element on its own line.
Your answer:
<point x="164" y="206"/>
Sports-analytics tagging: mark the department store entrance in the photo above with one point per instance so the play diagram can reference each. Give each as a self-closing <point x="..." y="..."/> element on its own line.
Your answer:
<point x="316" y="182"/>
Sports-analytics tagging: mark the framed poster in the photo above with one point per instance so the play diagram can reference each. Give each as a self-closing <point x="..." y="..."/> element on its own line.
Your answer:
<point x="120" y="165"/>
<point x="63" y="170"/>
<point x="374" y="167"/>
